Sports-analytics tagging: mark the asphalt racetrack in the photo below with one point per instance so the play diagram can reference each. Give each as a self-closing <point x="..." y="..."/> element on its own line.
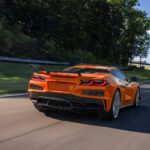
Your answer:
<point x="22" y="127"/>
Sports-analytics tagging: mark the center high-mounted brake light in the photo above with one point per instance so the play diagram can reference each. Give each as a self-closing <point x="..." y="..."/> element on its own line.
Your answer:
<point x="38" y="78"/>
<point x="94" y="82"/>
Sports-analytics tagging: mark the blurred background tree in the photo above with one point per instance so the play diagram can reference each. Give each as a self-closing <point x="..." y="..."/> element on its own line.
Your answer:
<point x="95" y="31"/>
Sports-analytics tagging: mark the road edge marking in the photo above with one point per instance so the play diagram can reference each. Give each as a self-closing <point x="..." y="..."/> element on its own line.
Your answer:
<point x="12" y="95"/>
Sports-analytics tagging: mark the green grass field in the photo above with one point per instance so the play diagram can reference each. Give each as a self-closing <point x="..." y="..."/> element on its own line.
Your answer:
<point x="14" y="76"/>
<point x="142" y="75"/>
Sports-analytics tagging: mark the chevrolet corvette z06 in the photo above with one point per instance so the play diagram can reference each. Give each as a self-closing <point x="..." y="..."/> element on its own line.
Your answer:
<point x="90" y="88"/>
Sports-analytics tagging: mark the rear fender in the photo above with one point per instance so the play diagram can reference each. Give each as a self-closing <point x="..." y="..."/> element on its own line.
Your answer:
<point x="110" y="90"/>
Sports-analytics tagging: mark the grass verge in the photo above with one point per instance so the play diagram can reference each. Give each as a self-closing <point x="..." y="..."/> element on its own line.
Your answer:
<point x="14" y="77"/>
<point x="142" y="75"/>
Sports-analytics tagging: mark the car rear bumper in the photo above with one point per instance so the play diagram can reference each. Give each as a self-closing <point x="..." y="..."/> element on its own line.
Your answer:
<point x="65" y="101"/>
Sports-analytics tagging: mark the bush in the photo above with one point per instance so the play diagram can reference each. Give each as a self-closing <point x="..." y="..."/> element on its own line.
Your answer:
<point x="5" y="40"/>
<point x="80" y="56"/>
<point x="14" y="43"/>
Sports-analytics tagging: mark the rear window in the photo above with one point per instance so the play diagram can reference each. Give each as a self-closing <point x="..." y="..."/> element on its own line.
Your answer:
<point x="85" y="70"/>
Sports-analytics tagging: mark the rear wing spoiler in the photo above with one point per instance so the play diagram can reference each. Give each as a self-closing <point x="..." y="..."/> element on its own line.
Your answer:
<point x="41" y="67"/>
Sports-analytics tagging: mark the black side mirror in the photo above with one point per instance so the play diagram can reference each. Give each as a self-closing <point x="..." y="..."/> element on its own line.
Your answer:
<point x="134" y="79"/>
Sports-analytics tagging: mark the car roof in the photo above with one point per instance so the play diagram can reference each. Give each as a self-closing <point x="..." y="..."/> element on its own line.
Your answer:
<point x="96" y="66"/>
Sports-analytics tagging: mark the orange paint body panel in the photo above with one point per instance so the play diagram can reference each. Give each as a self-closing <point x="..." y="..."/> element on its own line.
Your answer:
<point x="96" y="84"/>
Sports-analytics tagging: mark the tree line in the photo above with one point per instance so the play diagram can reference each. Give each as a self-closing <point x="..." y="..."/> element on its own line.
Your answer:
<point x="89" y="31"/>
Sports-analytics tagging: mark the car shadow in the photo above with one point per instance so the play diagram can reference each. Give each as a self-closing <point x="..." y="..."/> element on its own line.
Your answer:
<point x="130" y="119"/>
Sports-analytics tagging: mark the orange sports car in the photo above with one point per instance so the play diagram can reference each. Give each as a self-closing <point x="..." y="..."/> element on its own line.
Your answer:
<point x="92" y="88"/>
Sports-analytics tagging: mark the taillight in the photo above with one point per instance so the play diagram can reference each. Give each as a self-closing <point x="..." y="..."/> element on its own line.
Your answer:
<point x="94" y="82"/>
<point x="38" y="78"/>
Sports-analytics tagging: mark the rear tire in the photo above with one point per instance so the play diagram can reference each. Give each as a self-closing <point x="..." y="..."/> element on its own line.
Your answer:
<point x="115" y="107"/>
<point x="137" y="98"/>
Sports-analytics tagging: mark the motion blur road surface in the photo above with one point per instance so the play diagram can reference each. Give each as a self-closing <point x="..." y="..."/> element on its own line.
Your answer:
<point x="22" y="127"/>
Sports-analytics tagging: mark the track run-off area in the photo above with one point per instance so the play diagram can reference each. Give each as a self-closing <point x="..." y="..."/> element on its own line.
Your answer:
<point x="22" y="127"/>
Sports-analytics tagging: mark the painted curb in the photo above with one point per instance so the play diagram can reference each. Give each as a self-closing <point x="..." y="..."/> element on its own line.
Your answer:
<point x="12" y="95"/>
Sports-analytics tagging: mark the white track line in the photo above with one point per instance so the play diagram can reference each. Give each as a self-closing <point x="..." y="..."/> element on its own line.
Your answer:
<point x="12" y="95"/>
